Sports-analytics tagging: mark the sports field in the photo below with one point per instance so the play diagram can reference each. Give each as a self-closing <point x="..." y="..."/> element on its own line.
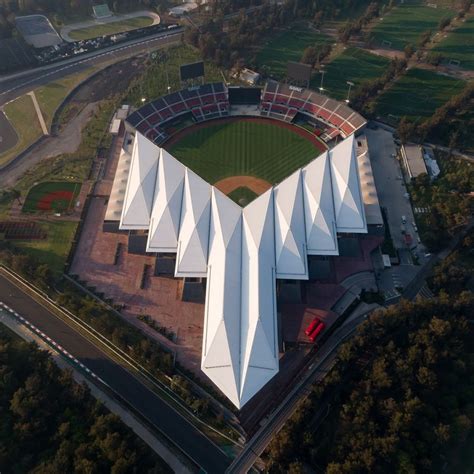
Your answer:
<point x="110" y="28"/>
<point x="287" y="46"/>
<point x="405" y="23"/>
<point x="244" y="147"/>
<point x="417" y="94"/>
<point x="353" y="64"/>
<point x="51" y="196"/>
<point x="459" y="45"/>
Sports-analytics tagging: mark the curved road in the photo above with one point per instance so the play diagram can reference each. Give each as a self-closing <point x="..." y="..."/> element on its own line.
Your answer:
<point x="18" y="84"/>
<point x="199" y="448"/>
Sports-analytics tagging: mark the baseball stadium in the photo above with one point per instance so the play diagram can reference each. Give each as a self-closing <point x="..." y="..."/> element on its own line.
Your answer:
<point x="237" y="218"/>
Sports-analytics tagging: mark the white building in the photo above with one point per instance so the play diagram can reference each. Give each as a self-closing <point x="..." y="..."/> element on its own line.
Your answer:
<point x="242" y="251"/>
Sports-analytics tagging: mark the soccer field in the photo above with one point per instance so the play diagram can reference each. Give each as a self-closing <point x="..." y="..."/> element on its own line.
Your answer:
<point x="459" y="45"/>
<point x="244" y="147"/>
<point x="405" y="24"/>
<point x="287" y="46"/>
<point x="353" y="64"/>
<point x="417" y="95"/>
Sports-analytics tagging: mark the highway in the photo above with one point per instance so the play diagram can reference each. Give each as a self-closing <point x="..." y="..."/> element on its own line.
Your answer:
<point x="191" y="441"/>
<point x="315" y="372"/>
<point x="18" y="84"/>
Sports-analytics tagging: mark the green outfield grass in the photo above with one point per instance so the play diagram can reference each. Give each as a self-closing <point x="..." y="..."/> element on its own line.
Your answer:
<point x="353" y="64"/>
<point x="110" y="28"/>
<point x="242" y="195"/>
<point x="51" y="196"/>
<point x="417" y="94"/>
<point x="264" y="150"/>
<point x="459" y="45"/>
<point x="405" y="24"/>
<point x="287" y="46"/>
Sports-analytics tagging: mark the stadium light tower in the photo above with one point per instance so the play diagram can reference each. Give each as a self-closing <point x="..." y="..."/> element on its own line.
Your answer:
<point x="322" y="72"/>
<point x="350" y="84"/>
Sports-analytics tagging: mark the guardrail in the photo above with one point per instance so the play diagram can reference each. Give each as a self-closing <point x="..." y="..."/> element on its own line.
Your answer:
<point x="165" y="439"/>
<point x="94" y="336"/>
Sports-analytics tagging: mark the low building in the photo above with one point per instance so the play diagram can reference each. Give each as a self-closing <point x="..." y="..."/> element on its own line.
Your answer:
<point x="249" y="76"/>
<point x="413" y="160"/>
<point x="183" y="9"/>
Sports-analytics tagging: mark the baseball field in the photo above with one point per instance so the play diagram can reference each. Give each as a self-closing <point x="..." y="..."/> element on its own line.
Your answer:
<point x="51" y="196"/>
<point x="261" y="148"/>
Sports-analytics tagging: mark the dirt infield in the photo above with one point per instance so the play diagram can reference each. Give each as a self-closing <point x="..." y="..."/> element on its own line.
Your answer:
<point x="55" y="200"/>
<point x="257" y="185"/>
<point x="51" y="196"/>
<point x="300" y="131"/>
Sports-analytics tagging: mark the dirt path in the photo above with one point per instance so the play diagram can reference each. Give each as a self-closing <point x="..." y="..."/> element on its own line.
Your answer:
<point x="257" y="185"/>
<point x="67" y="141"/>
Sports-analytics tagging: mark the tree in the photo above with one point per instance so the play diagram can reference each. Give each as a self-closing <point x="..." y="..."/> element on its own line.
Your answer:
<point x="405" y="130"/>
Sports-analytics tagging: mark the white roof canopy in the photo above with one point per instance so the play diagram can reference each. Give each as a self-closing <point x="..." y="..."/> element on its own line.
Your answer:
<point x="243" y="251"/>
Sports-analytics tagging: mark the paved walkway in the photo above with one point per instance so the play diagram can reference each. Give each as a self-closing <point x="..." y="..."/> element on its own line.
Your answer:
<point x="39" y="113"/>
<point x="65" y="30"/>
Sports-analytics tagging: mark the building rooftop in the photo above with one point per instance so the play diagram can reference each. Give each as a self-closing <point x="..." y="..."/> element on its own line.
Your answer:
<point x="242" y="251"/>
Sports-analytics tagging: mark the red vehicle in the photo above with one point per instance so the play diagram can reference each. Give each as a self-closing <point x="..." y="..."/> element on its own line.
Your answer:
<point x="316" y="331"/>
<point x="312" y="326"/>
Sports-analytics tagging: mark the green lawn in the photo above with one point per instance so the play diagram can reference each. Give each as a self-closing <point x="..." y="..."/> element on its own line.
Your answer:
<point x="110" y="28"/>
<point x="55" y="248"/>
<point x="57" y="196"/>
<point x="404" y="24"/>
<point x="242" y="195"/>
<point x="22" y="115"/>
<point x="353" y="64"/>
<point x="459" y="45"/>
<point x="51" y="95"/>
<point x="417" y="94"/>
<point x="266" y="151"/>
<point x="287" y="46"/>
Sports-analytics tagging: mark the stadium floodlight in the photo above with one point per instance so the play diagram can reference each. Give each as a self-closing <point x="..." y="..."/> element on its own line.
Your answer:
<point x="322" y="72"/>
<point x="350" y="84"/>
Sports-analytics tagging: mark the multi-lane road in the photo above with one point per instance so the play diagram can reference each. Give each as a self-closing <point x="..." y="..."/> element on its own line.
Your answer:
<point x="203" y="452"/>
<point x="18" y="84"/>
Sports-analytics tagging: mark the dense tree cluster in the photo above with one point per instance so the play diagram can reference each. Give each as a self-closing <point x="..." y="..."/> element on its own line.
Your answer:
<point x="400" y="397"/>
<point x="49" y="423"/>
<point x="447" y="198"/>
<point x="456" y="272"/>
<point x="228" y="42"/>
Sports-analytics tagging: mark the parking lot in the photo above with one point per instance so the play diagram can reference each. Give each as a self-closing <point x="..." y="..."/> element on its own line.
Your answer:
<point x="390" y="186"/>
<point x="394" y="198"/>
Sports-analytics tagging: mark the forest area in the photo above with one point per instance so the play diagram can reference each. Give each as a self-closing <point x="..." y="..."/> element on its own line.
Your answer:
<point x="81" y="435"/>
<point x="400" y="397"/>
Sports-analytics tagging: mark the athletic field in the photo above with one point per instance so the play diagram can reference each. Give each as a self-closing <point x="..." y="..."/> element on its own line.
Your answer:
<point x="111" y="28"/>
<point x="417" y="95"/>
<point x="51" y="196"/>
<point x="459" y="45"/>
<point x="405" y="24"/>
<point x="353" y="64"/>
<point x="244" y="148"/>
<point x="287" y="46"/>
